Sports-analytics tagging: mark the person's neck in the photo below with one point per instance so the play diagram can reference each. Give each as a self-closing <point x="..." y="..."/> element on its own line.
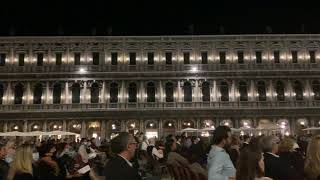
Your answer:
<point x="125" y="155"/>
<point x="221" y="145"/>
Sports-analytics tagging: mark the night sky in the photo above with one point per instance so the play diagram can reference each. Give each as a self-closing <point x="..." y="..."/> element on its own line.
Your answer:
<point x="156" y="17"/>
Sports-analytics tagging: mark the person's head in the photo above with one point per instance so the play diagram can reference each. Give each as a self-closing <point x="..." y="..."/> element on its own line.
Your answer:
<point x="250" y="164"/>
<point x="235" y="140"/>
<point x="124" y="144"/>
<point x="246" y="138"/>
<point x="286" y="145"/>
<point x="47" y="150"/>
<point x="84" y="141"/>
<point x="152" y="141"/>
<point x="269" y="144"/>
<point x="222" y="136"/>
<point x="171" y="145"/>
<point x="22" y="161"/>
<point x="312" y="162"/>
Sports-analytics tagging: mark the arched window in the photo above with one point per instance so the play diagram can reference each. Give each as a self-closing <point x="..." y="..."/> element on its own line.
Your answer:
<point x="114" y="93"/>
<point x="56" y="93"/>
<point x="243" y="90"/>
<point x="262" y="91"/>
<point x="169" y="92"/>
<point x="205" y="91"/>
<point x="316" y="89"/>
<point x="76" y="93"/>
<point x="151" y="92"/>
<point x="1" y="93"/>
<point x="132" y="92"/>
<point x="94" y="92"/>
<point x="298" y="89"/>
<point x="37" y="93"/>
<point x="18" y="94"/>
<point x="280" y="91"/>
<point x="224" y="91"/>
<point x="187" y="90"/>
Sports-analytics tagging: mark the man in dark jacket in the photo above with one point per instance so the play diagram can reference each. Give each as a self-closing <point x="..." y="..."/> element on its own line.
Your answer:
<point x="275" y="168"/>
<point x="4" y="166"/>
<point x="120" y="167"/>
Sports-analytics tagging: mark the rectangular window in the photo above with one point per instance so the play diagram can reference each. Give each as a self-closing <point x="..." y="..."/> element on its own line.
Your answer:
<point x="204" y="57"/>
<point x="240" y="57"/>
<point x="294" y="55"/>
<point x="168" y="58"/>
<point x="77" y="58"/>
<point x="276" y="55"/>
<point x="312" y="55"/>
<point x="39" y="59"/>
<point x="186" y="58"/>
<point x="132" y="58"/>
<point x="150" y="58"/>
<point x="114" y="58"/>
<point x="21" y="59"/>
<point x="2" y="59"/>
<point x="58" y="59"/>
<point x="222" y="57"/>
<point x="95" y="58"/>
<point x="258" y="57"/>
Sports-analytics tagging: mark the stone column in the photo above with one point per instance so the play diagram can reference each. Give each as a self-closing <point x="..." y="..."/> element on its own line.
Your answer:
<point x="48" y="95"/>
<point x="292" y="125"/>
<point x="28" y="97"/>
<point x="289" y="91"/>
<point x="123" y="93"/>
<point x="64" y="125"/>
<point x="83" y="129"/>
<point x="161" y="93"/>
<point x="103" y="129"/>
<point x="233" y="93"/>
<point x="5" y="128"/>
<point x="214" y="91"/>
<point x="307" y="93"/>
<point x="123" y="125"/>
<point x="103" y="94"/>
<point x="67" y="99"/>
<point x="252" y="91"/>
<point x="44" y="126"/>
<point x="141" y="91"/>
<point x="141" y="126"/>
<point x="197" y="92"/>
<point x="271" y="91"/>
<point x="9" y="94"/>
<point x="84" y="95"/>
<point x="179" y="122"/>
<point x="179" y="93"/>
<point x="25" y="126"/>
<point x="160" y="128"/>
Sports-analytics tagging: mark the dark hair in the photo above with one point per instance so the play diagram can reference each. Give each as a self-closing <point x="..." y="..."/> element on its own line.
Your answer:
<point x="45" y="148"/>
<point x="220" y="133"/>
<point x="119" y="143"/>
<point x="246" y="137"/>
<point x="248" y="164"/>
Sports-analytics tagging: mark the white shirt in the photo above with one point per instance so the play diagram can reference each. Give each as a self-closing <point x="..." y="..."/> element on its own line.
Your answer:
<point x="144" y="145"/>
<point x="129" y="163"/>
<point x="273" y="154"/>
<point x="156" y="152"/>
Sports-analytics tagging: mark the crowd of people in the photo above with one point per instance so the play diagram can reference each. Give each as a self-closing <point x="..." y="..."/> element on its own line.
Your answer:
<point x="222" y="156"/>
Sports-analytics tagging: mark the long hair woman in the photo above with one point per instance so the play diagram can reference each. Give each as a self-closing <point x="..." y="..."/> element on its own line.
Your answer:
<point x="312" y="162"/>
<point x="250" y="165"/>
<point x="21" y="166"/>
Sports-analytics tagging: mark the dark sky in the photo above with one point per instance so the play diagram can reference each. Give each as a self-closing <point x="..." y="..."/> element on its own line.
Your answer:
<point x="134" y="17"/>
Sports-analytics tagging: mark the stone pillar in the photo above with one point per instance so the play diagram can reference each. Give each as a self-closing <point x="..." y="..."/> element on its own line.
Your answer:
<point x="141" y="126"/>
<point x="123" y="92"/>
<point x="141" y="91"/>
<point x="252" y="91"/>
<point x="64" y="125"/>
<point x="233" y="93"/>
<point x="83" y="129"/>
<point x="9" y="94"/>
<point x="292" y="125"/>
<point x="44" y="126"/>
<point x="5" y="128"/>
<point x="214" y="91"/>
<point x="84" y="95"/>
<point x="67" y="99"/>
<point x="103" y="96"/>
<point x="179" y="122"/>
<point x="289" y="91"/>
<point x="198" y="124"/>
<point x="48" y="95"/>
<point x="161" y="93"/>
<point x="123" y="125"/>
<point x="160" y="128"/>
<point x="103" y="129"/>
<point x="271" y="91"/>
<point x="307" y="93"/>
<point x="180" y="96"/>
<point x="25" y="126"/>
<point x="197" y="93"/>
<point x="28" y="97"/>
<point x="236" y="123"/>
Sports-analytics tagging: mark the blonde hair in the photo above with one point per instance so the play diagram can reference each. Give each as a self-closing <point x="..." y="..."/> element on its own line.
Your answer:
<point x="286" y="145"/>
<point x="22" y="161"/>
<point x="312" y="162"/>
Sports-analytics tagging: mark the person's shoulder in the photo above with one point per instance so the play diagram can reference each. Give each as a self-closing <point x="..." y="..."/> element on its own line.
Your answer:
<point x="263" y="178"/>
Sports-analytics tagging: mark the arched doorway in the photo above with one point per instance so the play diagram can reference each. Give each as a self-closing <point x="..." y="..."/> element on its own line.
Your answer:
<point x="132" y="126"/>
<point x="114" y="127"/>
<point x="151" y="127"/>
<point x="94" y="129"/>
<point x="169" y="127"/>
